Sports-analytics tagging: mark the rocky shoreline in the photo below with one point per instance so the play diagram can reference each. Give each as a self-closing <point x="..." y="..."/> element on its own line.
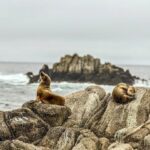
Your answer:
<point x="85" y="69"/>
<point x="91" y="120"/>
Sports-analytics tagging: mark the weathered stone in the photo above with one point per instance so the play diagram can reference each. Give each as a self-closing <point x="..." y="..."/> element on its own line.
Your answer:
<point x="118" y="116"/>
<point x="54" y="115"/>
<point x="86" y="141"/>
<point x="104" y="143"/>
<point x="5" y="145"/>
<point x="61" y="138"/>
<point x="85" y="69"/>
<point x="96" y="122"/>
<point x="120" y="146"/>
<point x="23" y="122"/>
<point x="19" y="145"/>
<point x="147" y="142"/>
<point x="89" y="101"/>
<point x="4" y="130"/>
<point x="76" y="64"/>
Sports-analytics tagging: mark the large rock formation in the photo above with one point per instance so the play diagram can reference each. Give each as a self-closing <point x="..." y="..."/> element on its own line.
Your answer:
<point x="91" y="120"/>
<point x="85" y="69"/>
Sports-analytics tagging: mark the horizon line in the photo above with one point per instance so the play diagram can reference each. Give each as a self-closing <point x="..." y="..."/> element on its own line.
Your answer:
<point x="45" y="62"/>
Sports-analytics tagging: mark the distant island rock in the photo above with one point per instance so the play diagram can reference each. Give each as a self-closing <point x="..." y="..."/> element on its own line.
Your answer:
<point x="91" y="120"/>
<point x="74" y="68"/>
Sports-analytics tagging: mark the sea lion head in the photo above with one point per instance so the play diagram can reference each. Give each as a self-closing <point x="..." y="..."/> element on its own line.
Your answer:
<point x="45" y="79"/>
<point x="131" y="91"/>
<point x="124" y="93"/>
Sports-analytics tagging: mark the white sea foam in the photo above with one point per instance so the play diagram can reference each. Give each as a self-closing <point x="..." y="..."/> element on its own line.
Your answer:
<point x="14" y="79"/>
<point x="142" y="83"/>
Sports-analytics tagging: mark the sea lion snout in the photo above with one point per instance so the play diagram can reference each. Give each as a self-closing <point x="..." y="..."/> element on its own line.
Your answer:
<point x="42" y="73"/>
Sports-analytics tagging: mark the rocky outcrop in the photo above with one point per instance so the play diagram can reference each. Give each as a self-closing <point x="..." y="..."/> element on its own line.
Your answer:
<point x="91" y="120"/>
<point x="76" y="64"/>
<point x="85" y="69"/>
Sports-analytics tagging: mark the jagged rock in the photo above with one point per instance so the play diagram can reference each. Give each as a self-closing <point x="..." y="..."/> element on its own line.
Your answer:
<point x="5" y="145"/>
<point x="23" y="122"/>
<point x="136" y="136"/>
<point x="85" y="69"/>
<point x="4" y="130"/>
<point x="89" y="101"/>
<point x="86" y="141"/>
<point x="120" y="146"/>
<point x="89" y="69"/>
<point x="19" y="145"/>
<point x="104" y="142"/>
<point x="95" y="122"/>
<point x="54" y="115"/>
<point x="32" y="78"/>
<point x="76" y="64"/>
<point x="61" y="138"/>
<point x="147" y="142"/>
<point x="118" y="116"/>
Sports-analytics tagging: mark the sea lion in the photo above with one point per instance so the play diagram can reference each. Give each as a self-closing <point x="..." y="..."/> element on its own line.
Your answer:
<point x="123" y="93"/>
<point x="44" y="93"/>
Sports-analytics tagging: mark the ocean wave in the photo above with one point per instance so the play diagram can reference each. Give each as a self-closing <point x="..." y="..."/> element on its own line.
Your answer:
<point x="68" y="87"/>
<point x="14" y="79"/>
<point x="142" y="83"/>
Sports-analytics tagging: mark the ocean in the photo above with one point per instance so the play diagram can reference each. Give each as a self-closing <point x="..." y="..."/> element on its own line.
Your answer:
<point x="15" y="90"/>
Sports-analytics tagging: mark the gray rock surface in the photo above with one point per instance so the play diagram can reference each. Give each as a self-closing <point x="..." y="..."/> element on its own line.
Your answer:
<point x="76" y="64"/>
<point x="19" y="145"/>
<point x="91" y="120"/>
<point x="120" y="146"/>
<point x="89" y="101"/>
<point x="23" y="122"/>
<point x="4" y="130"/>
<point x="53" y="115"/>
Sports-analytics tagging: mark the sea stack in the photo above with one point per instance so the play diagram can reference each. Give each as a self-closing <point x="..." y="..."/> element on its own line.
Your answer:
<point x="75" y="68"/>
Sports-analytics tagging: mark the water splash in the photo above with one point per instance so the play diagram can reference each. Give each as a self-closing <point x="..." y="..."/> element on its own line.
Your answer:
<point x="13" y="79"/>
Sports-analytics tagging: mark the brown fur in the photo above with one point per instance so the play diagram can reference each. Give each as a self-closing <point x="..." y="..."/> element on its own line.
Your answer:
<point x="123" y="93"/>
<point x="44" y="93"/>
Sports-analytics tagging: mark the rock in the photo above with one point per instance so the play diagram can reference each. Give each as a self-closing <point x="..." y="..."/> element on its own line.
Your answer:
<point x="4" y="130"/>
<point x="85" y="69"/>
<point x="61" y="138"/>
<point x="135" y="135"/>
<point x="147" y="142"/>
<point x="118" y="116"/>
<point x="120" y="146"/>
<point x="104" y="142"/>
<point x="89" y="69"/>
<point x="32" y="78"/>
<point x="54" y="115"/>
<point x="76" y="64"/>
<point x="89" y="101"/>
<point x="5" y="145"/>
<point x="30" y="74"/>
<point x="86" y="141"/>
<point x="23" y="122"/>
<point x="19" y="145"/>
<point x="91" y="120"/>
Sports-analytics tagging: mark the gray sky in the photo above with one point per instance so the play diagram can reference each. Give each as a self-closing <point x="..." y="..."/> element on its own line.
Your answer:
<point x="43" y="30"/>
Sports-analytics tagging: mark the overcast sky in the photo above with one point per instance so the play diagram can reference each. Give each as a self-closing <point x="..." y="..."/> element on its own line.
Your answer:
<point x="43" y="30"/>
